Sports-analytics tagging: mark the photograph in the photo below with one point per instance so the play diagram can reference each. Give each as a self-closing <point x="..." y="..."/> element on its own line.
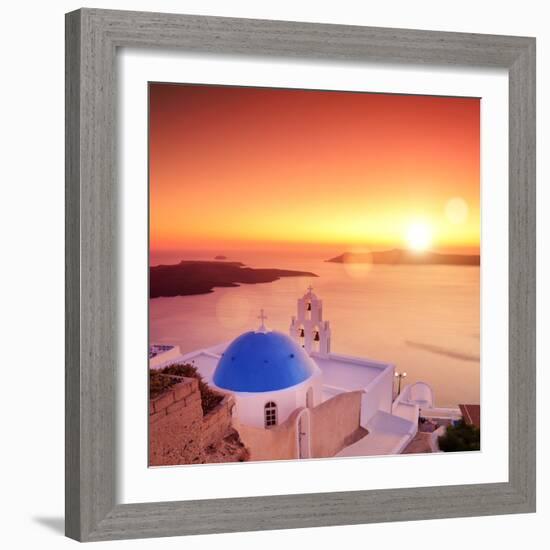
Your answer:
<point x="314" y="274"/>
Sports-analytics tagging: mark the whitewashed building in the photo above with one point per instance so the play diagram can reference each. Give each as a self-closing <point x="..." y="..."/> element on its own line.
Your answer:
<point x="272" y="374"/>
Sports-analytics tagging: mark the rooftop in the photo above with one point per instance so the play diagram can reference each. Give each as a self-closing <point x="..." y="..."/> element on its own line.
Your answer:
<point x="348" y="373"/>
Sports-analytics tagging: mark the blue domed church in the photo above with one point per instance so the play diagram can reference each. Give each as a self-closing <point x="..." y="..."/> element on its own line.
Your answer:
<point x="270" y="374"/>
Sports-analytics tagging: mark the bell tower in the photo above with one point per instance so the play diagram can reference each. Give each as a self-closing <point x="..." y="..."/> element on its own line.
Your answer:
<point x="308" y="327"/>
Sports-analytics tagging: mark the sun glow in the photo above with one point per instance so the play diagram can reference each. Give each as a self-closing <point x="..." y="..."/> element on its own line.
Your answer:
<point x="419" y="236"/>
<point x="238" y="168"/>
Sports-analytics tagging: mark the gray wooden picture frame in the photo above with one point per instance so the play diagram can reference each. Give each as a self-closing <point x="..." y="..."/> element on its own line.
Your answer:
<point x="92" y="39"/>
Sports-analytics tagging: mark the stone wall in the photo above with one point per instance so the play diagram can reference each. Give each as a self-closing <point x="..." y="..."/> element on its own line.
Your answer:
<point x="218" y="422"/>
<point x="178" y="432"/>
<point x="175" y="423"/>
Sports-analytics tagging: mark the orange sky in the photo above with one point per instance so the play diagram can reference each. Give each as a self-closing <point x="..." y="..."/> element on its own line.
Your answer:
<point x="241" y="167"/>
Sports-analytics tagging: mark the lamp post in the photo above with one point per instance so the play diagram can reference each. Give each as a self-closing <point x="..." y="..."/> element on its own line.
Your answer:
<point x="399" y="376"/>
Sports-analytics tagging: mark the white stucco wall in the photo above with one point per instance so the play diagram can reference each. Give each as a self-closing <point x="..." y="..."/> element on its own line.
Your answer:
<point x="250" y="406"/>
<point x="378" y="395"/>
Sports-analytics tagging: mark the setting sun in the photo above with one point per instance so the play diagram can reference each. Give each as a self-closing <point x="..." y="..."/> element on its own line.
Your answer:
<point x="419" y="236"/>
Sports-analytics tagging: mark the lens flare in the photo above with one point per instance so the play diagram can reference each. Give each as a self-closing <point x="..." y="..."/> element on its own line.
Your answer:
<point x="456" y="210"/>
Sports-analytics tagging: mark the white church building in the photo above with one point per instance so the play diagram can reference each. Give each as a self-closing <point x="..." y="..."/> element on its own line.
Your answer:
<point x="272" y="375"/>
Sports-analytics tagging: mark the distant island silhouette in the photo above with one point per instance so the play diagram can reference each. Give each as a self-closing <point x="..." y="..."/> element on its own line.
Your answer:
<point x="220" y="257"/>
<point x="201" y="277"/>
<point x="398" y="256"/>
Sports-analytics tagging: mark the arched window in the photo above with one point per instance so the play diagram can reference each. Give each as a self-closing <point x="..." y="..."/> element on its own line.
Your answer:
<point x="270" y="414"/>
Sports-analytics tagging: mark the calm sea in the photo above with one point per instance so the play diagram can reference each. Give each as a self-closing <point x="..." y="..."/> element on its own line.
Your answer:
<point x="423" y="319"/>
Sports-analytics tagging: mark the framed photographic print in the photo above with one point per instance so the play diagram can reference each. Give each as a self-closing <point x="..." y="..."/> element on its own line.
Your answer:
<point x="298" y="256"/>
<point x="292" y="234"/>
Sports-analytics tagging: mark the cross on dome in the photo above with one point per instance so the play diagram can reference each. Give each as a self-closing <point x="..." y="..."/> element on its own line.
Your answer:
<point x="310" y="289"/>
<point x="262" y="318"/>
